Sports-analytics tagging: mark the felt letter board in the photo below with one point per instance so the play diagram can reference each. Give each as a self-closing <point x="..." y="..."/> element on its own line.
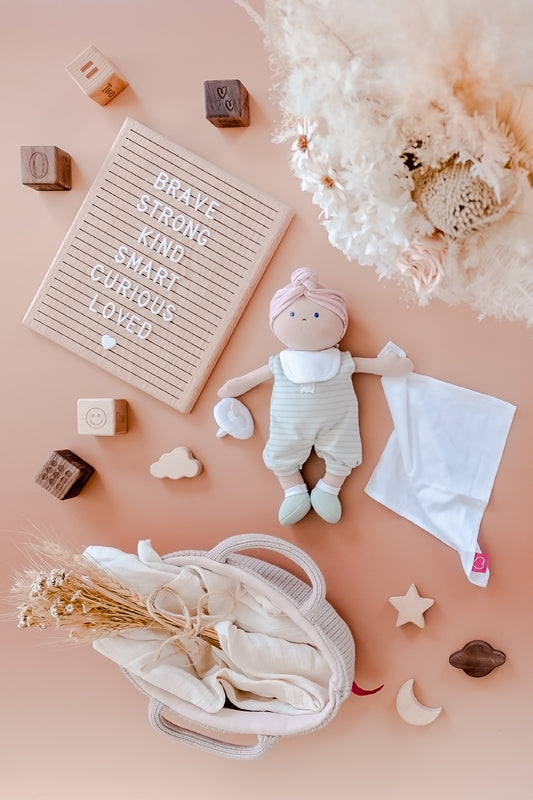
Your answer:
<point x="158" y="266"/>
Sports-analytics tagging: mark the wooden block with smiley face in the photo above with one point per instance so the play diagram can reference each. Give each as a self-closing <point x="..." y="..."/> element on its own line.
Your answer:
<point x="102" y="416"/>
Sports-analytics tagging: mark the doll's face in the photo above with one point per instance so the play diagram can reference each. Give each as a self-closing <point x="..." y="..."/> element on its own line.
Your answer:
<point x="306" y="325"/>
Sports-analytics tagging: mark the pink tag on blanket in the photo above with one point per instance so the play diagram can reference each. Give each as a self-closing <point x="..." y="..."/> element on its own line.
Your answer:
<point x="481" y="562"/>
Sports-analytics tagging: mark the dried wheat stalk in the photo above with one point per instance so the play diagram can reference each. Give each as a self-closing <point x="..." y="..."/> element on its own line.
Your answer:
<point x="65" y="590"/>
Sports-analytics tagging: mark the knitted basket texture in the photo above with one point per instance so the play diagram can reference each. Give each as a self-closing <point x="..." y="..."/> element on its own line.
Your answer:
<point x="330" y="633"/>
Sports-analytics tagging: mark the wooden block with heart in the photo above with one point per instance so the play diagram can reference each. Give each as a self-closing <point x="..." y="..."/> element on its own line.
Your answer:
<point x="227" y="104"/>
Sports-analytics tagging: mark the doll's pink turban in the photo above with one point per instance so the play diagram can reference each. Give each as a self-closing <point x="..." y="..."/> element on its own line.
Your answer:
<point x="304" y="283"/>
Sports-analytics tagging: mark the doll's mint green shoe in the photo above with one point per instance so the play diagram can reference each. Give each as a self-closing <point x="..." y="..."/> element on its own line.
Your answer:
<point x="294" y="508"/>
<point x="326" y="505"/>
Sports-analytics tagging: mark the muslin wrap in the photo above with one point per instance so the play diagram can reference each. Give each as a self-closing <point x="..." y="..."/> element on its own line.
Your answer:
<point x="439" y="465"/>
<point x="264" y="663"/>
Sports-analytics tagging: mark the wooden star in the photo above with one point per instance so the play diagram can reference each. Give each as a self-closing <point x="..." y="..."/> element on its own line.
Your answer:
<point x="411" y="607"/>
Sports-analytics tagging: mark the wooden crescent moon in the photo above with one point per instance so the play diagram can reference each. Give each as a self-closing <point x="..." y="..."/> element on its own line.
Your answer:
<point x="410" y="708"/>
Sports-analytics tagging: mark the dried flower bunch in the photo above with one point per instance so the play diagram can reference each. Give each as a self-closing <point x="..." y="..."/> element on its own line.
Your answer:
<point x="413" y="132"/>
<point x="66" y="591"/>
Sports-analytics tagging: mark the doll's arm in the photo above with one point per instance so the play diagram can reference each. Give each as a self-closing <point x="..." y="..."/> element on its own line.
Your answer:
<point x="391" y="365"/>
<point x="237" y="386"/>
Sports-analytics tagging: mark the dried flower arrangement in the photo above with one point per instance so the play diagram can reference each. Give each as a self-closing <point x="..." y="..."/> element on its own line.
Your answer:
<point x="66" y="591"/>
<point x="411" y="127"/>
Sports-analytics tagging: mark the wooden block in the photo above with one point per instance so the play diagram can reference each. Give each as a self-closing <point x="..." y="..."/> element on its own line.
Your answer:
<point x="102" y="416"/>
<point x="64" y="475"/>
<point x="96" y="76"/>
<point x="45" y="168"/>
<point x="227" y="104"/>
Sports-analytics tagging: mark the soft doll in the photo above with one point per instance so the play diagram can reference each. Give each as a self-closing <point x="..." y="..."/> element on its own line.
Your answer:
<point x="313" y="400"/>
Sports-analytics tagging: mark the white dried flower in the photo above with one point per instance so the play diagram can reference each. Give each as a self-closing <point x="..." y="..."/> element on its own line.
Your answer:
<point x="55" y="611"/>
<point x="322" y="180"/>
<point x="56" y="578"/>
<point x="25" y="617"/>
<point x="303" y="145"/>
<point x="38" y="584"/>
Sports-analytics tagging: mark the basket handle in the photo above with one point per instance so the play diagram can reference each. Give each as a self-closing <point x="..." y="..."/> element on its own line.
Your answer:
<point x="248" y="541"/>
<point x="156" y="711"/>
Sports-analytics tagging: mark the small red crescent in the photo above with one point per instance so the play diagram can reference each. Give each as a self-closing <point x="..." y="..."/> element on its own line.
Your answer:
<point x="362" y="692"/>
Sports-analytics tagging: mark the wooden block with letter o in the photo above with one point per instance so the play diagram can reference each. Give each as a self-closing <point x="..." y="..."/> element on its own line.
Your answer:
<point x="64" y="475"/>
<point x="227" y="104"/>
<point x="45" y="168"/>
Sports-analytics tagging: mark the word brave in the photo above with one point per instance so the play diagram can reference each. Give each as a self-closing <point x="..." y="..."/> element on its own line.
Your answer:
<point x="172" y="186"/>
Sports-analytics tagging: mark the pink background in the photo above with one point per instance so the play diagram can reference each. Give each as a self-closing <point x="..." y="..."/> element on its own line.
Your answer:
<point x="73" y="727"/>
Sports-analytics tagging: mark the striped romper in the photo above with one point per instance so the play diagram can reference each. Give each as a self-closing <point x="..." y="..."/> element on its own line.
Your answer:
<point x="323" y="415"/>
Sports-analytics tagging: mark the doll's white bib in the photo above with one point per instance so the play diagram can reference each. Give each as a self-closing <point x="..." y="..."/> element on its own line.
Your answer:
<point x="310" y="366"/>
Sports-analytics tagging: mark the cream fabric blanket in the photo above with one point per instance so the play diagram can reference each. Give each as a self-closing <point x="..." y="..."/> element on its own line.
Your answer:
<point x="265" y="661"/>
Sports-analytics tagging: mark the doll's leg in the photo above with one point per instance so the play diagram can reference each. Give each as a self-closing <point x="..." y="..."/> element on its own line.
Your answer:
<point x="284" y="455"/>
<point x="325" y="497"/>
<point x="296" y="502"/>
<point x="340" y="447"/>
<point x="333" y="481"/>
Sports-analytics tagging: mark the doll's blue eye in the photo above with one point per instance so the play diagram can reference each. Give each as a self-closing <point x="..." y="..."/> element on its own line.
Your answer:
<point x="291" y="314"/>
<point x="316" y="314"/>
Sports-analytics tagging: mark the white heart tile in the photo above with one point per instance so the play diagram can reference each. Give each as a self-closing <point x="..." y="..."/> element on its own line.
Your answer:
<point x="108" y="341"/>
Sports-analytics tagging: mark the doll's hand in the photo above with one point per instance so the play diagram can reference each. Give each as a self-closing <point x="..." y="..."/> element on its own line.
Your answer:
<point x="237" y="386"/>
<point x="232" y="388"/>
<point x="394" y="366"/>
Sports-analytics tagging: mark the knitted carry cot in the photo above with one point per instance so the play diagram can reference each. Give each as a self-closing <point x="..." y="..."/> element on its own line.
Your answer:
<point x="306" y="604"/>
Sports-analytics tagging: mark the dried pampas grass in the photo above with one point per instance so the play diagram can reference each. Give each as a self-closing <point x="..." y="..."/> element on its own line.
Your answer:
<point x="514" y="111"/>
<point x="370" y="92"/>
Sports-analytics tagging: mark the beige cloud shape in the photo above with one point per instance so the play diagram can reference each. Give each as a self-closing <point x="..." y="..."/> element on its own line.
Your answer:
<point x="179" y="463"/>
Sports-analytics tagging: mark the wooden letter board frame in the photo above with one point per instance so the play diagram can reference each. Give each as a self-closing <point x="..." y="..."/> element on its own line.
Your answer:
<point x="158" y="266"/>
